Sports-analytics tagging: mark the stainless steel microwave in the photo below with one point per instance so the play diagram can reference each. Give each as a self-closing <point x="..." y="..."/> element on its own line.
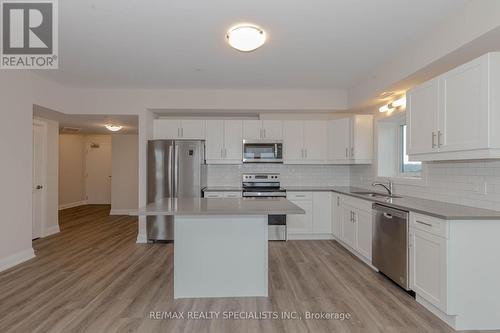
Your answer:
<point x="262" y="151"/>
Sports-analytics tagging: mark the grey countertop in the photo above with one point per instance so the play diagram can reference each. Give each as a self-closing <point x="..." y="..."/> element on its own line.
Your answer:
<point x="442" y="210"/>
<point x="204" y="206"/>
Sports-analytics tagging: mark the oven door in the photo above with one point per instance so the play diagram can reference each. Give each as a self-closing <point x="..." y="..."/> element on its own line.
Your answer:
<point x="262" y="151"/>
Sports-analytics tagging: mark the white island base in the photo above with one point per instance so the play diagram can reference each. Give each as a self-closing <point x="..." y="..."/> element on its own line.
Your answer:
<point x="220" y="256"/>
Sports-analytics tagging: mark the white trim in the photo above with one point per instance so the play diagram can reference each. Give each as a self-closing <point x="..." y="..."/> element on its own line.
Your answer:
<point x="16" y="259"/>
<point x="142" y="239"/>
<point x="43" y="172"/>
<point x="51" y="230"/>
<point x="121" y="211"/>
<point x="73" y="204"/>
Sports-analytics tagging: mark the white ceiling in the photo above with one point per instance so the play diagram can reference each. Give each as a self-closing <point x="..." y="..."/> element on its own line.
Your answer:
<point x="314" y="44"/>
<point x="90" y="124"/>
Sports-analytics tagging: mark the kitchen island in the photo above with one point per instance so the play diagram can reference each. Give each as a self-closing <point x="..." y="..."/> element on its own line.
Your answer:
<point x="220" y="246"/>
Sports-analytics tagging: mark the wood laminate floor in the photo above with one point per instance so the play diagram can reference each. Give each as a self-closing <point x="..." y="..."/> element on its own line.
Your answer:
<point x="93" y="277"/>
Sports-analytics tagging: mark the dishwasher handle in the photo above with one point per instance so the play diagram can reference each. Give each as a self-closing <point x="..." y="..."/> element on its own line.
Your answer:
<point x="390" y="212"/>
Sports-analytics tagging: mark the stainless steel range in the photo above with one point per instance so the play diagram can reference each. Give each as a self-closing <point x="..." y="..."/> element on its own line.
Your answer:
<point x="263" y="186"/>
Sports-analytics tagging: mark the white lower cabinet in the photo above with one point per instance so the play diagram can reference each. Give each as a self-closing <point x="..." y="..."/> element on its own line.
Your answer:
<point x="428" y="259"/>
<point x="352" y="225"/>
<point x="364" y="233"/>
<point x="336" y="215"/>
<point x="322" y="212"/>
<point x="316" y="223"/>
<point x="301" y="223"/>
<point x="348" y="233"/>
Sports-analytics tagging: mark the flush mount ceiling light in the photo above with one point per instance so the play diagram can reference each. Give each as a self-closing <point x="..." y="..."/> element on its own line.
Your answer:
<point x="113" y="128"/>
<point x="246" y="37"/>
<point x="399" y="103"/>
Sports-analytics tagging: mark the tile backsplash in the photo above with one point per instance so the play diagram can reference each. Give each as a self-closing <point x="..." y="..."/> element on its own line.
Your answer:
<point x="467" y="183"/>
<point x="321" y="175"/>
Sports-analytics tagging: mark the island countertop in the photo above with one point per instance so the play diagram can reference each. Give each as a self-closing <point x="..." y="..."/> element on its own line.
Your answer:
<point x="207" y="206"/>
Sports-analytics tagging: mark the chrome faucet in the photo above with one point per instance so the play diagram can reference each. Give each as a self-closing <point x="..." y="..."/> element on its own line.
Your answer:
<point x="388" y="187"/>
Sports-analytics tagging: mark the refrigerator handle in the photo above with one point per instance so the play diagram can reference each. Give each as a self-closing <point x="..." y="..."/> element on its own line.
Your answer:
<point x="170" y="171"/>
<point x="176" y="172"/>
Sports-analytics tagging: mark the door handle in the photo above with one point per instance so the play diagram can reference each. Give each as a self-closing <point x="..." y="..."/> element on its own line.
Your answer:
<point x="439" y="139"/>
<point x="338" y="201"/>
<point x="264" y="131"/>
<point x="433" y="140"/>
<point x="39" y="187"/>
<point x="346" y="152"/>
<point x="352" y="152"/>
<point x="387" y="215"/>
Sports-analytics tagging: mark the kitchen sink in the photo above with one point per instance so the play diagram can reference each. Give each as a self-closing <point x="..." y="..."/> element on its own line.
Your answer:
<point x="377" y="195"/>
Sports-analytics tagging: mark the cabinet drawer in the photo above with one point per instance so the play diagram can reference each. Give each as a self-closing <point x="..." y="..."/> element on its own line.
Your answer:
<point x="429" y="224"/>
<point x="218" y="195"/>
<point x="233" y="194"/>
<point x="299" y="195"/>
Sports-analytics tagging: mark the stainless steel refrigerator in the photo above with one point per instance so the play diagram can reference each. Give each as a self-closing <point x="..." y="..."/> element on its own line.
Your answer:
<point x="176" y="169"/>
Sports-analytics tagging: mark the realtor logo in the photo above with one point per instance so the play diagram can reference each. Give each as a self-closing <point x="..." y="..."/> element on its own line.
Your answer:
<point x="29" y="34"/>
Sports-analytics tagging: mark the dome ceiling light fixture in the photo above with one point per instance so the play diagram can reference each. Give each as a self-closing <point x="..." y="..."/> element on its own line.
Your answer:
<point x="113" y="128"/>
<point x="246" y="37"/>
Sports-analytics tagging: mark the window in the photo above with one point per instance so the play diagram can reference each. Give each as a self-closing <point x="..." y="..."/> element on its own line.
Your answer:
<point x="406" y="167"/>
<point x="392" y="159"/>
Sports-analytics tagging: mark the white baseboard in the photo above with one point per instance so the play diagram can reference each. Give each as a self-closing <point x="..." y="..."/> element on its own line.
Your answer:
<point x="121" y="211"/>
<point x="142" y="239"/>
<point x="450" y="320"/>
<point x="72" y="204"/>
<point x="51" y="230"/>
<point x="309" y="236"/>
<point x="16" y="259"/>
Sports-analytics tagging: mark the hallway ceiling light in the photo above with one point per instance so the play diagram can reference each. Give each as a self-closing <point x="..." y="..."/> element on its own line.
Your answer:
<point x="246" y="37"/>
<point x="113" y="128"/>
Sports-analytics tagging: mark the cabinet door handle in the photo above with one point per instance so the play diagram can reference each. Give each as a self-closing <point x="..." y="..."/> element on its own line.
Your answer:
<point x="338" y="201"/>
<point x="305" y="150"/>
<point x="352" y="152"/>
<point x="178" y="132"/>
<point x="264" y="131"/>
<point x="433" y="140"/>
<point x="225" y="153"/>
<point x="439" y="139"/>
<point x="222" y="153"/>
<point x="346" y="152"/>
<point x="427" y="224"/>
<point x="182" y="132"/>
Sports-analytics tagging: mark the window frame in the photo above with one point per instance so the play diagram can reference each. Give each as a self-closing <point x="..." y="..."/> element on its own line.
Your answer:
<point x="401" y="155"/>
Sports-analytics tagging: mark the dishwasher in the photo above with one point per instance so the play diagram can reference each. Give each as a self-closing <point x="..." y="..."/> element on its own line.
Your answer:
<point x="390" y="243"/>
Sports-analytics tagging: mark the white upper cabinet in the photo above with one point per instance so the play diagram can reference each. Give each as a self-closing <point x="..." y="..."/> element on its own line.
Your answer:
<point x="422" y="117"/>
<point x="263" y="129"/>
<point x="293" y="145"/>
<point x="305" y="142"/>
<point x="350" y="140"/>
<point x="179" y="129"/>
<point x="315" y="141"/>
<point x="193" y="129"/>
<point x="455" y="116"/>
<point x="252" y="129"/>
<point x="224" y="141"/>
<point x="273" y="129"/>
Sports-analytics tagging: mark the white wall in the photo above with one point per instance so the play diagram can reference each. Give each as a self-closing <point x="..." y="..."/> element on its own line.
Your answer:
<point x="125" y="171"/>
<point x="71" y="170"/>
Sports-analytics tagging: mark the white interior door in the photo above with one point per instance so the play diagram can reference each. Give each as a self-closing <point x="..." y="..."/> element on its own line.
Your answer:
<point x="39" y="166"/>
<point x="98" y="174"/>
